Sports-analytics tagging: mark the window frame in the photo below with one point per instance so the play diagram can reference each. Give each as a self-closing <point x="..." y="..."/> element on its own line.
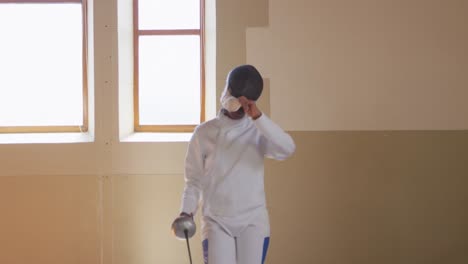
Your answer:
<point x="61" y="129"/>
<point x="137" y="32"/>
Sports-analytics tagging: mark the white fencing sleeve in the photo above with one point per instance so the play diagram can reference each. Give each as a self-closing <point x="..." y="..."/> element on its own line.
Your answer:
<point x="275" y="142"/>
<point x="193" y="174"/>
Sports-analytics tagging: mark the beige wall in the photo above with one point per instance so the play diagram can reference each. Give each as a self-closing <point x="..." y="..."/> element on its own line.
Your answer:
<point x="344" y="197"/>
<point x="371" y="197"/>
<point x="365" y="64"/>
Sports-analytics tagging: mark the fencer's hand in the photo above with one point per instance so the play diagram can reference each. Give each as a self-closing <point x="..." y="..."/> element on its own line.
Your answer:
<point x="250" y="107"/>
<point x="184" y="226"/>
<point x="184" y="214"/>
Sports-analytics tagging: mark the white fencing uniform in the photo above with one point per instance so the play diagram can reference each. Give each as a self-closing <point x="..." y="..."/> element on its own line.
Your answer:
<point x="224" y="170"/>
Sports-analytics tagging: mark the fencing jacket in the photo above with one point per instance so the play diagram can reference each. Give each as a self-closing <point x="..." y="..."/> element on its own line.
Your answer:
<point x="224" y="168"/>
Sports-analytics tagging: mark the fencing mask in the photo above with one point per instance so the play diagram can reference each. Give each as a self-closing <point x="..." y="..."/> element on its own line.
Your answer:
<point x="244" y="80"/>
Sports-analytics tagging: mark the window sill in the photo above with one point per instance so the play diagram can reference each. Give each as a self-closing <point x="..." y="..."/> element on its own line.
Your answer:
<point x="44" y="138"/>
<point x="157" y="137"/>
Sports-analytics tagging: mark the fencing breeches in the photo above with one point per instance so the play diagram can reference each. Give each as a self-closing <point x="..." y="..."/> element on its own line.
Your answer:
<point x="249" y="247"/>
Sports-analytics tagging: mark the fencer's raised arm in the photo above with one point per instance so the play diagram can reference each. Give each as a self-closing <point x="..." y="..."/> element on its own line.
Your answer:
<point x="193" y="174"/>
<point x="276" y="143"/>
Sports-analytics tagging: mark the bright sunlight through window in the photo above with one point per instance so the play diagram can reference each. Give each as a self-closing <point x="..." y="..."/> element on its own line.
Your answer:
<point x="169" y="65"/>
<point x="41" y="66"/>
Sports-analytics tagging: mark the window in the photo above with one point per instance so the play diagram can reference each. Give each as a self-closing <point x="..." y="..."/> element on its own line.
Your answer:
<point x="43" y="84"/>
<point x="169" y="92"/>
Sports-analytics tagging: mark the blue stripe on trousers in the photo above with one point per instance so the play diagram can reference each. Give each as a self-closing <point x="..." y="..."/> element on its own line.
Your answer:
<point x="205" y="251"/>
<point x="266" y="243"/>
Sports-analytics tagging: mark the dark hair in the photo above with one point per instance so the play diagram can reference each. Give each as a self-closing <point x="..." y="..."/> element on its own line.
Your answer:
<point x="245" y="80"/>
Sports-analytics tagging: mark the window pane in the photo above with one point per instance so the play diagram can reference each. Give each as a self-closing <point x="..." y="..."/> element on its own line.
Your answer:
<point x="41" y="65"/>
<point x="165" y="14"/>
<point x="169" y="80"/>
